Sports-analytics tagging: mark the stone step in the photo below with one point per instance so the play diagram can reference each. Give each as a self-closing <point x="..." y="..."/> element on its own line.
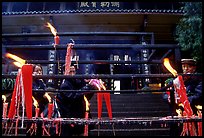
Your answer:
<point x="127" y="105"/>
<point x="134" y="114"/>
<point x="131" y="97"/>
<point x="142" y="100"/>
<point x="120" y="132"/>
<point x="130" y="132"/>
<point x="153" y="129"/>
<point x="130" y="108"/>
<point x="138" y="125"/>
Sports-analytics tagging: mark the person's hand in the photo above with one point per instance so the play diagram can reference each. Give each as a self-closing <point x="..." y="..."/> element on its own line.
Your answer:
<point x="97" y="83"/>
<point x="87" y="80"/>
<point x="35" y="73"/>
<point x="94" y="82"/>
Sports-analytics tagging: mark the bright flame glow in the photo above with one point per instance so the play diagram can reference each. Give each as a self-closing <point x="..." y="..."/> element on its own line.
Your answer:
<point x="52" y="29"/>
<point x="87" y="103"/>
<point x="16" y="58"/>
<point x="181" y="105"/>
<point x="48" y="97"/>
<point x="199" y="107"/>
<point x="35" y="103"/>
<point x="4" y="98"/>
<point x="18" y="64"/>
<point x="102" y="84"/>
<point x="169" y="67"/>
<point x="179" y="112"/>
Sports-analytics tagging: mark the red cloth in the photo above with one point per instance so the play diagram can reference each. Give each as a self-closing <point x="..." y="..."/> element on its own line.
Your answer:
<point x="100" y="86"/>
<point x="108" y="104"/>
<point x="56" y="40"/>
<point x="68" y="59"/>
<point x="26" y="73"/>
<point x="200" y="124"/>
<point x="50" y="110"/>
<point x="12" y="108"/>
<point x="86" y="125"/>
<point x="182" y="98"/>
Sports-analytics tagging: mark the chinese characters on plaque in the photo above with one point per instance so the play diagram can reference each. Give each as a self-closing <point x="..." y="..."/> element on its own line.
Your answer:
<point x="99" y="5"/>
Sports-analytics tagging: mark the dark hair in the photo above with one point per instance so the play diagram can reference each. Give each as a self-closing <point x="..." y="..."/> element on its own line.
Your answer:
<point x="35" y="65"/>
<point x="63" y="67"/>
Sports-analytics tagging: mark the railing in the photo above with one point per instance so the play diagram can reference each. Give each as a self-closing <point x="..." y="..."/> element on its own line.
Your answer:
<point x="170" y="49"/>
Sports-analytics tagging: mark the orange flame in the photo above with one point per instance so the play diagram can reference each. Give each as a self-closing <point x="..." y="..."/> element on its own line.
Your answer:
<point x="48" y="97"/>
<point x="87" y="103"/>
<point x="18" y="64"/>
<point x="199" y="107"/>
<point x="35" y="103"/>
<point x="19" y="61"/>
<point x="4" y="98"/>
<point x="181" y="105"/>
<point x="179" y="112"/>
<point x="52" y="29"/>
<point x="169" y="67"/>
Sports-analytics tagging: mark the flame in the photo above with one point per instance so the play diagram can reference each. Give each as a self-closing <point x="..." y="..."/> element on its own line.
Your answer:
<point x="4" y="98"/>
<point x="179" y="112"/>
<point x="169" y="67"/>
<point x="19" y="62"/>
<point x="98" y="86"/>
<point x="102" y="84"/>
<point x="48" y="97"/>
<point x="181" y="105"/>
<point x="87" y="103"/>
<point x="52" y="29"/>
<point x="35" y="103"/>
<point x="199" y="107"/>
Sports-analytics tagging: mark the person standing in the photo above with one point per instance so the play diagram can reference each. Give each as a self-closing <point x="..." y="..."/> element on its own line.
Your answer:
<point x="72" y="104"/>
<point x="192" y="83"/>
<point x="38" y="84"/>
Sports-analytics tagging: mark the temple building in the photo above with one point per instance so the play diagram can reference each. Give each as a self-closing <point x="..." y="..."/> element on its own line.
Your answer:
<point x="125" y="43"/>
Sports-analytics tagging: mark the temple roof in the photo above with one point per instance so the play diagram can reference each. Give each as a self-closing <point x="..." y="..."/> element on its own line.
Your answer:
<point x="135" y="11"/>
